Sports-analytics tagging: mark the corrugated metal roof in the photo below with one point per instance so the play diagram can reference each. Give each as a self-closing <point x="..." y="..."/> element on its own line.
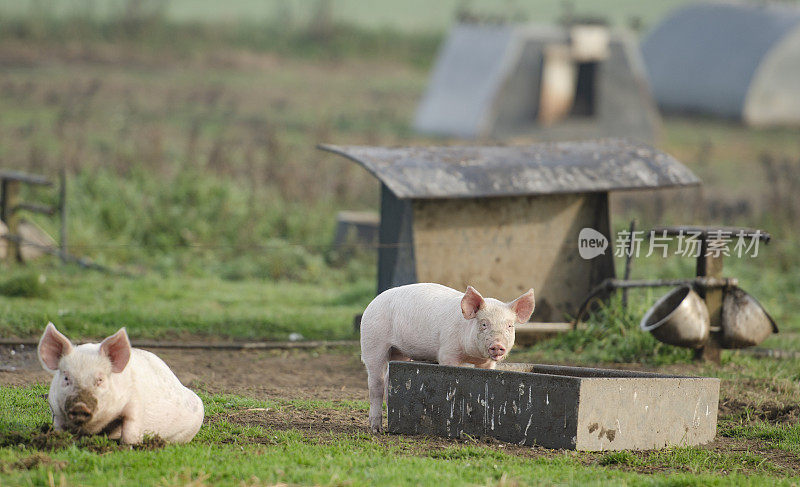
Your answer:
<point x="491" y="171"/>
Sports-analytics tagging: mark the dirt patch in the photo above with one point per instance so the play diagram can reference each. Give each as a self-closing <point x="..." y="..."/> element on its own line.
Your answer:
<point x="313" y="423"/>
<point x="746" y="412"/>
<point x="34" y="461"/>
<point x="325" y="425"/>
<point x="289" y="374"/>
<point x="752" y="400"/>
<point x="44" y="438"/>
<point x="261" y="374"/>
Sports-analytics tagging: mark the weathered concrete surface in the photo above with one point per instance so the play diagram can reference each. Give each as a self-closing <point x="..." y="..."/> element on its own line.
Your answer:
<point x="552" y="406"/>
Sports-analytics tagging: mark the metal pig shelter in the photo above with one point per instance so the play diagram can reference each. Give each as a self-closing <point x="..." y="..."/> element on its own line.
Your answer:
<point x="553" y="82"/>
<point x="504" y="219"/>
<point x="740" y="61"/>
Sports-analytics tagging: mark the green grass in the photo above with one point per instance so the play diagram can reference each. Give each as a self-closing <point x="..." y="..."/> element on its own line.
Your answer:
<point x="414" y="15"/>
<point x="611" y="334"/>
<point x="224" y="453"/>
<point x="87" y="304"/>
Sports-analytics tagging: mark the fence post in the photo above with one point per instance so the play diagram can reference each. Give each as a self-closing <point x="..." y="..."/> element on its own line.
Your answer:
<point x="9" y="199"/>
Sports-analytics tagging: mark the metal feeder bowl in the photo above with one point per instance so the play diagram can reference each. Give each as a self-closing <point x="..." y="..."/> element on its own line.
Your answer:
<point x="679" y="318"/>
<point x="744" y="321"/>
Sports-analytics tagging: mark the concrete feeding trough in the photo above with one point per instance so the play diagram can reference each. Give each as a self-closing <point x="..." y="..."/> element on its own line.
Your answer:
<point x="553" y="406"/>
<point x="506" y="218"/>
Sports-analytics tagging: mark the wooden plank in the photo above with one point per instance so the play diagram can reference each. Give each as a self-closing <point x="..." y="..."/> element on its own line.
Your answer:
<point x="530" y="333"/>
<point x="25" y="178"/>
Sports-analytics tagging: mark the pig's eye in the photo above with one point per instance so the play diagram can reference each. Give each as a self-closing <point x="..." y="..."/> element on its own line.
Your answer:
<point x="66" y="380"/>
<point x="511" y="325"/>
<point x="98" y="381"/>
<point x="484" y="325"/>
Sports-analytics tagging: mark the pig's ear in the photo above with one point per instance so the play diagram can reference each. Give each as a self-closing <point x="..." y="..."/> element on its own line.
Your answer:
<point x="52" y="346"/>
<point x="471" y="303"/>
<point x="117" y="348"/>
<point x="523" y="306"/>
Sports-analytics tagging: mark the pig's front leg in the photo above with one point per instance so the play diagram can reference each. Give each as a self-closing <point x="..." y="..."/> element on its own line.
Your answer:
<point x="451" y="357"/>
<point x="489" y="364"/>
<point x="58" y="422"/>
<point x="131" y="432"/>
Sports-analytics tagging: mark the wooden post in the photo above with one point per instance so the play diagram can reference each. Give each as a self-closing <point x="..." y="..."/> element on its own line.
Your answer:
<point x="9" y="199"/>
<point x="628" y="262"/>
<point x="711" y="266"/>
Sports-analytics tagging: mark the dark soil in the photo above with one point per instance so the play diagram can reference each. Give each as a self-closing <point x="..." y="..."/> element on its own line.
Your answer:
<point x="745" y="412"/>
<point x="261" y="374"/>
<point x="31" y="462"/>
<point x="47" y="439"/>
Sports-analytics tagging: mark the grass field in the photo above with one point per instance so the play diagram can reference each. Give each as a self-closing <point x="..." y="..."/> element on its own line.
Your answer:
<point x="192" y="167"/>
<point x="412" y="15"/>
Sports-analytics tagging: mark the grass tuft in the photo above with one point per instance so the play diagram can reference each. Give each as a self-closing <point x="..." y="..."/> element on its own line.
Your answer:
<point x="25" y="285"/>
<point x="612" y="334"/>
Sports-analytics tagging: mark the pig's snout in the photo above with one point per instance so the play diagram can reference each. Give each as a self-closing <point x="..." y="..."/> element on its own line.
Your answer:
<point x="80" y="408"/>
<point x="497" y="351"/>
<point x="79" y="413"/>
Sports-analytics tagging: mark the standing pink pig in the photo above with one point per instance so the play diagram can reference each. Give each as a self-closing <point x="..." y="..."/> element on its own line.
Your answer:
<point x="432" y="322"/>
<point x="115" y="389"/>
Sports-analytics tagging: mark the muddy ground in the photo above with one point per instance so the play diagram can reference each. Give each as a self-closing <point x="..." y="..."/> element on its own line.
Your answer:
<point x="261" y="374"/>
<point x="337" y="375"/>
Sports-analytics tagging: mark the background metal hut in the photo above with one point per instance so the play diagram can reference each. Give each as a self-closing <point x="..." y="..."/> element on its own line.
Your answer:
<point x="729" y="60"/>
<point x="552" y="82"/>
<point x="505" y="219"/>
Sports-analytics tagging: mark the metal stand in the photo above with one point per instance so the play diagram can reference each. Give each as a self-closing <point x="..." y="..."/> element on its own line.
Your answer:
<point x="709" y="265"/>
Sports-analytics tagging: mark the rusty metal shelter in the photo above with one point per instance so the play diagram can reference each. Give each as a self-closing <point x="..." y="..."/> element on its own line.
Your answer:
<point x="739" y="61"/>
<point x="550" y="82"/>
<point x="506" y="218"/>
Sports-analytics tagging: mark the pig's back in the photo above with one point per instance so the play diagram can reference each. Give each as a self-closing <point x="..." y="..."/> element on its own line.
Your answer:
<point x="411" y="318"/>
<point x="173" y="411"/>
